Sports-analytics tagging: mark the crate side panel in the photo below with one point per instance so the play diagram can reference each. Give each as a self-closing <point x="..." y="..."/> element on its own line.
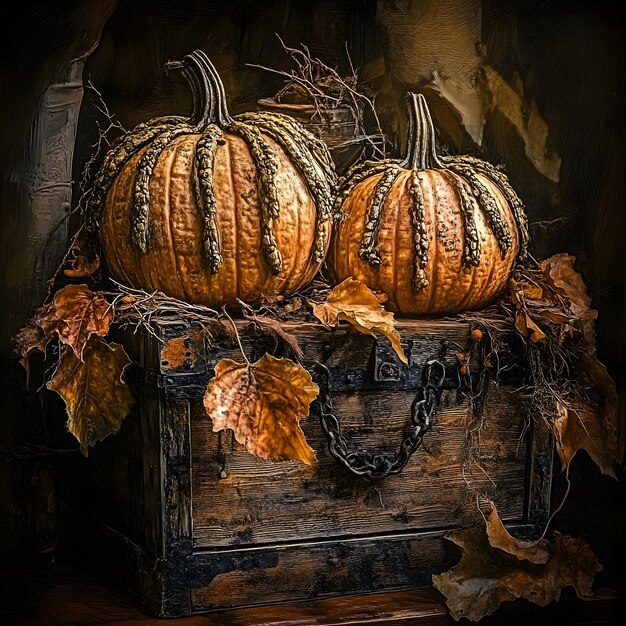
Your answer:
<point x="261" y="502"/>
<point x="289" y="573"/>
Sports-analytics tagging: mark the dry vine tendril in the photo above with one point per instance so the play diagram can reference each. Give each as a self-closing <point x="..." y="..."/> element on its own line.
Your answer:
<point x="210" y="119"/>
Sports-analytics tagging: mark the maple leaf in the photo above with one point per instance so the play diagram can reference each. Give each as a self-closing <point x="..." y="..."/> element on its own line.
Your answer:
<point x="263" y="403"/>
<point x="96" y="397"/>
<point x="496" y="567"/>
<point x="351" y="301"/>
<point x="75" y="314"/>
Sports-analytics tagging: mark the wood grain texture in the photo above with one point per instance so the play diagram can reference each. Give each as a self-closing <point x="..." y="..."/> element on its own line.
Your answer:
<point x="262" y="502"/>
<point x="67" y="594"/>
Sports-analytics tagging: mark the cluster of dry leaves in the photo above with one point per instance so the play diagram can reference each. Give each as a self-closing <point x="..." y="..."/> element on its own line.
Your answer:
<point x="496" y="567"/>
<point x="264" y="402"/>
<point x="552" y="306"/>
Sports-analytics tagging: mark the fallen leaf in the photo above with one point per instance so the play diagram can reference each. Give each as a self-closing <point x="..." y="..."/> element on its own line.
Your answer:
<point x="81" y="266"/>
<point x="351" y="301"/>
<point x="263" y="404"/>
<point x="500" y="538"/>
<point x="526" y="326"/>
<point x="559" y="269"/>
<point x="495" y="567"/>
<point x="96" y="397"/>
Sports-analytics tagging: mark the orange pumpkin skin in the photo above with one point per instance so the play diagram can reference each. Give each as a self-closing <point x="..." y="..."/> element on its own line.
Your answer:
<point x="214" y="209"/>
<point x="449" y="283"/>
<point x="174" y="262"/>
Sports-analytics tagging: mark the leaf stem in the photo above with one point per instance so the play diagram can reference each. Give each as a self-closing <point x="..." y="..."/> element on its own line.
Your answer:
<point x="237" y="337"/>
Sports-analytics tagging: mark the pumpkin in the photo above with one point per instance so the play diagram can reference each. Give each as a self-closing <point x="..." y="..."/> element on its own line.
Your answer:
<point x="212" y="208"/>
<point x="435" y="235"/>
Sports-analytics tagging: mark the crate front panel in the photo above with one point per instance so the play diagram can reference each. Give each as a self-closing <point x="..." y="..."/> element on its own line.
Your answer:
<point x="262" y="502"/>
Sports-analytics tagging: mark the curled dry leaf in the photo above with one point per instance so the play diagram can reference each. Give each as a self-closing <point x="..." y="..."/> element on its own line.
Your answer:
<point x="81" y="266"/>
<point x="555" y="295"/>
<point x="29" y="339"/>
<point x="74" y="315"/>
<point x="263" y="404"/>
<point x="582" y="426"/>
<point x="96" y="397"/>
<point x="275" y="328"/>
<point x="552" y="302"/>
<point x="496" y="567"/>
<point x="568" y="283"/>
<point x="351" y="301"/>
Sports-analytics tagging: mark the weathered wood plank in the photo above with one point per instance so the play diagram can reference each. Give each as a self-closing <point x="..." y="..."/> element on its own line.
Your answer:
<point x="261" y="502"/>
<point x="247" y="577"/>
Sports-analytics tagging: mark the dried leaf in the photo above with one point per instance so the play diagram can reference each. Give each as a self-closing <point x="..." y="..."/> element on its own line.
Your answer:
<point x="75" y="314"/>
<point x="527" y="327"/>
<point x="524" y="323"/>
<point x="30" y="338"/>
<point x="583" y="427"/>
<point x="263" y="403"/>
<point x="81" y="266"/>
<point x="96" y="397"/>
<point x="567" y="282"/>
<point x="499" y="537"/>
<point x="351" y="301"/>
<point x="496" y="567"/>
<point x="274" y="327"/>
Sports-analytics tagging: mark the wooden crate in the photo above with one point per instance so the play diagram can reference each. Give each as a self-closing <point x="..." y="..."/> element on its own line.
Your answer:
<point x="188" y="521"/>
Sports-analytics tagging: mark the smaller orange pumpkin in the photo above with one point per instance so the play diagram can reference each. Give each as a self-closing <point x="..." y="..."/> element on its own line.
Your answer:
<point x="436" y="235"/>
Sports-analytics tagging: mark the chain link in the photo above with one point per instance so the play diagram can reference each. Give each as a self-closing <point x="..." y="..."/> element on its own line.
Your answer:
<point x="378" y="465"/>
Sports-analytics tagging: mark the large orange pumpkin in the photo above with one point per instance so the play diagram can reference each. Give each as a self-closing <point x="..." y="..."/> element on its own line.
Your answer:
<point x="214" y="208"/>
<point x="436" y="235"/>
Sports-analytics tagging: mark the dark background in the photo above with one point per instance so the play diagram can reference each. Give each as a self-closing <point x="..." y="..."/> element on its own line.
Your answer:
<point x="564" y="60"/>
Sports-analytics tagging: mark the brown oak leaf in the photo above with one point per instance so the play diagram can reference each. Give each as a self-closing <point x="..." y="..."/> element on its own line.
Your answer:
<point x="351" y="301"/>
<point x="96" y="397"/>
<point x="263" y="404"/>
<point x="274" y="327"/>
<point x="495" y="567"/>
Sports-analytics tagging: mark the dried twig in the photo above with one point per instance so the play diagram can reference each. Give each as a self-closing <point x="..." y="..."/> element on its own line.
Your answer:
<point x="324" y="87"/>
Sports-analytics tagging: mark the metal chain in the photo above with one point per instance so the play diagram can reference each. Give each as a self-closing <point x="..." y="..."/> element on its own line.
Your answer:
<point x="378" y="465"/>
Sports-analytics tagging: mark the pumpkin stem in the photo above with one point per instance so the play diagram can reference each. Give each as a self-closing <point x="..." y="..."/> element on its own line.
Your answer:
<point x="421" y="153"/>
<point x="222" y="116"/>
<point x="207" y="88"/>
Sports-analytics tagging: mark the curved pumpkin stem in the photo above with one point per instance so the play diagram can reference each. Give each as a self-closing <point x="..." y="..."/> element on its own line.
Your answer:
<point x="421" y="153"/>
<point x="204" y="81"/>
<point x="222" y="116"/>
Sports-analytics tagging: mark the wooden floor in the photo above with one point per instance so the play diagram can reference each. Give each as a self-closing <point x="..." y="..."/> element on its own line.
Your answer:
<point x="66" y="596"/>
